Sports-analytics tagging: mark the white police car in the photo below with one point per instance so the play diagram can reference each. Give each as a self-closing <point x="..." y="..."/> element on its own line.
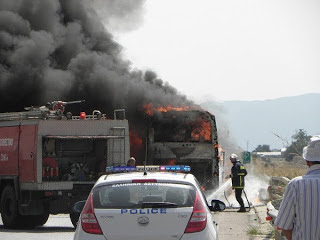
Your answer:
<point x="151" y="205"/>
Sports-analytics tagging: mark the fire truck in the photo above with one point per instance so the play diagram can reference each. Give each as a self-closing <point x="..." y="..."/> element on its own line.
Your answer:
<point x="186" y="137"/>
<point x="49" y="160"/>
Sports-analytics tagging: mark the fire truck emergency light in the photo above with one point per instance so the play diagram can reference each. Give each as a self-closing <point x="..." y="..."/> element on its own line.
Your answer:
<point x="82" y="115"/>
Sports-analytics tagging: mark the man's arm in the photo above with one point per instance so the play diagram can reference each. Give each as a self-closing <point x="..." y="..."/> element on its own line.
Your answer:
<point x="244" y="171"/>
<point x="288" y="234"/>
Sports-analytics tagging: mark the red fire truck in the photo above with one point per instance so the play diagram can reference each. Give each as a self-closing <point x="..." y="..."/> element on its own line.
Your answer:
<point x="50" y="160"/>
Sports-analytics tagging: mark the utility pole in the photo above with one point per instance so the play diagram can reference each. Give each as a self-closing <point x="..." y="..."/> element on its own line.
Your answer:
<point x="284" y="140"/>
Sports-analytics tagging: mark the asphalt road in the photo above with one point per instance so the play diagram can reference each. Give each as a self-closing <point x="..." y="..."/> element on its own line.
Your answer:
<point x="232" y="225"/>
<point x="57" y="227"/>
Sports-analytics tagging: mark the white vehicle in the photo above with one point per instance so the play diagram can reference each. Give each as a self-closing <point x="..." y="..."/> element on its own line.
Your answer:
<point x="143" y="204"/>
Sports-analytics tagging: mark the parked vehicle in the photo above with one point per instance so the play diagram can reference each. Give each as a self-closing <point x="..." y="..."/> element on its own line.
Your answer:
<point x="147" y="203"/>
<point x="187" y="137"/>
<point x="50" y="160"/>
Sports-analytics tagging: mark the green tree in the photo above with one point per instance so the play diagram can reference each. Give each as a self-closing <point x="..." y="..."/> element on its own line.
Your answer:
<point x="299" y="140"/>
<point x="262" y="148"/>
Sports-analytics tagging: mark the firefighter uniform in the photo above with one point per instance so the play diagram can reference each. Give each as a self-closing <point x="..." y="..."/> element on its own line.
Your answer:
<point x="238" y="172"/>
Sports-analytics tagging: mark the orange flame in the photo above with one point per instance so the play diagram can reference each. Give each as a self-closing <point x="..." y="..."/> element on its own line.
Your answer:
<point x="134" y="138"/>
<point x="172" y="162"/>
<point x="202" y="131"/>
<point x="149" y="109"/>
<point x="136" y="146"/>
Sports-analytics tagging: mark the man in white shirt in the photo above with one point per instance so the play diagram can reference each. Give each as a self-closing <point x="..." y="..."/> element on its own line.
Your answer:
<point x="299" y="213"/>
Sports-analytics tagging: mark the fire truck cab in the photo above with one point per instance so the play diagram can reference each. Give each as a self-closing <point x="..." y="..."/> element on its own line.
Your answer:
<point x="49" y="161"/>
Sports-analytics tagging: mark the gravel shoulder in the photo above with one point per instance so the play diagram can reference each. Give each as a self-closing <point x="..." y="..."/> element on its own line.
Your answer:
<point x="250" y="225"/>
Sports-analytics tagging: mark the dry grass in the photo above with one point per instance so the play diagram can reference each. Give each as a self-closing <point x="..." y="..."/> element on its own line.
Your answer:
<point x="256" y="231"/>
<point x="279" y="168"/>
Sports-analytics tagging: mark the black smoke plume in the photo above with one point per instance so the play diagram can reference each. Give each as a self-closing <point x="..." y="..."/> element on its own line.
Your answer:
<point x="60" y="50"/>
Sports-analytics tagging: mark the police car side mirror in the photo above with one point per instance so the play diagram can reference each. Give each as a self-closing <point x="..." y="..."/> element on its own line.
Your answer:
<point x="217" y="205"/>
<point x="78" y="206"/>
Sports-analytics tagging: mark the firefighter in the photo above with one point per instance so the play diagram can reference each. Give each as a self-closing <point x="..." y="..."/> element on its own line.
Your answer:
<point x="238" y="172"/>
<point x="131" y="162"/>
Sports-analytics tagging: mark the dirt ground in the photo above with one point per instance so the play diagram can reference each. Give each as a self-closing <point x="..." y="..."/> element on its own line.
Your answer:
<point x="250" y="225"/>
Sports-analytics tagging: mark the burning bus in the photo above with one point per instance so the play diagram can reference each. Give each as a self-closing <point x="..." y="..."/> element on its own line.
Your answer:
<point x="184" y="136"/>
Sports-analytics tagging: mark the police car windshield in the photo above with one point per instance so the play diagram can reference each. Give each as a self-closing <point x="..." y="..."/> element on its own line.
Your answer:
<point x="143" y="195"/>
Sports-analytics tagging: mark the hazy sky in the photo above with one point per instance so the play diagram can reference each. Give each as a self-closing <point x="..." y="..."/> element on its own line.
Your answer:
<point x="230" y="49"/>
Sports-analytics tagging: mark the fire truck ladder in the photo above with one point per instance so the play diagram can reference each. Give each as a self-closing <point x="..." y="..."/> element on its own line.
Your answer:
<point x="23" y="115"/>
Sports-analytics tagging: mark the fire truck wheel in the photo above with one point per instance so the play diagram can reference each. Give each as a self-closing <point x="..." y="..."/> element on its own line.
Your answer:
<point x="9" y="208"/>
<point x="39" y="220"/>
<point x="43" y="219"/>
<point x="74" y="217"/>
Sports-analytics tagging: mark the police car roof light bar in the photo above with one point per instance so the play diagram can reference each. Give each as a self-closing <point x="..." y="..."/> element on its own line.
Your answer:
<point x="149" y="168"/>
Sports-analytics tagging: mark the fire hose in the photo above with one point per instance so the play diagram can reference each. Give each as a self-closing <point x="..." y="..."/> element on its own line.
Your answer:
<point x="247" y="199"/>
<point x="245" y="194"/>
<point x="225" y="196"/>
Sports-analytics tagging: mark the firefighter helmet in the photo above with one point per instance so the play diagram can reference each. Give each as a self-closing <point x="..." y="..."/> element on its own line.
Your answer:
<point x="131" y="162"/>
<point x="233" y="156"/>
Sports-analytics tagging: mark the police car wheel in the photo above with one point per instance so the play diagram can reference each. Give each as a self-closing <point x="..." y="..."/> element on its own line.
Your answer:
<point x="74" y="217"/>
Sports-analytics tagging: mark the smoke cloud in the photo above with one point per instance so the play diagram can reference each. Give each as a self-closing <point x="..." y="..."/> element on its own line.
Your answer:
<point x="60" y="50"/>
<point x="120" y="15"/>
<point x="64" y="50"/>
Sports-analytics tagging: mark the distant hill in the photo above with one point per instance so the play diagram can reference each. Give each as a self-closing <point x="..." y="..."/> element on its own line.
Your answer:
<point x="253" y="123"/>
